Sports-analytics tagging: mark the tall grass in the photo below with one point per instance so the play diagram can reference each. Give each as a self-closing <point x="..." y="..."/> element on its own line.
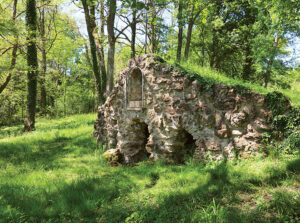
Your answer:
<point x="57" y="174"/>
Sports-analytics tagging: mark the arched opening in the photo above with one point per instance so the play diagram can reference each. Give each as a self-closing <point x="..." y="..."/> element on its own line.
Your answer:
<point x="135" y="88"/>
<point x="188" y="147"/>
<point x="139" y="133"/>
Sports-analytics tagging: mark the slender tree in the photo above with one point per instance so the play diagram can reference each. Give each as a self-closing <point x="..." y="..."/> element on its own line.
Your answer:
<point x="180" y="30"/>
<point x="43" y="94"/>
<point x="112" y="6"/>
<point x="194" y="12"/>
<point x="267" y="74"/>
<point x="101" y="47"/>
<point x="99" y="40"/>
<point x="133" y="29"/>
<point x="32" y="62"/>
<point x="96" y="71"/>
<point x="131" y="19"/>
<point x="153" y="22"/>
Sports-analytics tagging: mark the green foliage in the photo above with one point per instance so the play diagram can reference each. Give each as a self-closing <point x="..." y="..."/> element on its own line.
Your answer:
<point x="280" y="123"/>
<point x="281" y="81"/>
<point x="287" y="123"/>
<point x="285" y="137"/>
<point x="206" y="82"/>
<point x="68" y="79"/>
<point x="242" y="89"/>
<point x="292" y="142"/>
<point x="277" y="102"/>
<point x="294" y="117"/>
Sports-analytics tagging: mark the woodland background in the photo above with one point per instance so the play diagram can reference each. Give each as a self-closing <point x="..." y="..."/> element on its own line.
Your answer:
<point x="252" y="41"/>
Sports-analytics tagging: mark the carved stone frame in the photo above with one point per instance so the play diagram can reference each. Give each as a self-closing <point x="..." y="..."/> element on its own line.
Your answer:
<point x="127" y="90"/>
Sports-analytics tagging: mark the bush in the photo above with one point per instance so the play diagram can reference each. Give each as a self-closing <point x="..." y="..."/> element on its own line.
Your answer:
<point x="284" y="127"/>
<point x="292" y="143"/>
<point x="277" y="103"/>
<point x="280" y="122"/>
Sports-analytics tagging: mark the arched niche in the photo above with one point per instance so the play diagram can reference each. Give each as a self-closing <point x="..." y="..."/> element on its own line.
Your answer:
<point x="134" y="88"/>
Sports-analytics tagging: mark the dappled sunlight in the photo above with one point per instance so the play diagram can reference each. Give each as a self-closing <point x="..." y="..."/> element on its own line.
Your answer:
<point x="60" y="175"/>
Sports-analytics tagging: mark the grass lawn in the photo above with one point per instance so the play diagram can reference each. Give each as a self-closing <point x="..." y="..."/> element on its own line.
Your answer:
<point x="57" y="174"/>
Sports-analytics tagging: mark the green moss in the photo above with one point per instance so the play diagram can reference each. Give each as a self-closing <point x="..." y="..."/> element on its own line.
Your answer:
<point x="240" y="89"/>
<point x="205" y="83"/>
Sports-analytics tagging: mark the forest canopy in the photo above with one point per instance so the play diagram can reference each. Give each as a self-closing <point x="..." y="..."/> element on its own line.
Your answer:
<point x="254" y="41"/>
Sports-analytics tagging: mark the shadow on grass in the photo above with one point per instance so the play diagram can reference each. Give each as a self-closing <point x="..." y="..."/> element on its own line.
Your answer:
<point x="200" y="205"/>
<point x="214" y="201"/>
<point x="84" y="200"/>
<point x="38" y="152"/>
<point x="294" y="166"/>
<point x="106" y="199"/>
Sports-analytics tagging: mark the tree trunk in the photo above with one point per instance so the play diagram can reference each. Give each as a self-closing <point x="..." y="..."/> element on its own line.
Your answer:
<point x="248" y="63"/>
<point x="214" y="49"/>
<point x="153" y="42"/>
<point x="152" y="28"/>
<point x="96" y="71"/>
<point x="110" y="67"/>
<point x="43" y="96"/>
<point x="133" y="32"/>
<point x="188" y="39"/>
<point x="87" y="56"/>
<point x="12" y="65"/>
<point x="203" y="47"/>
<point x="4" y="85"/>
<point x="146" y="31"/>
<point x="14" y="51"/>
<point x="99" y="44"/>
<point x="191" y="23"/>
<point x="268" y="72"/>
<point x="180" y="31"/>
<point x="101" y="49"/>
<point x="111" y="45"/>
<point x="32" y="63"/>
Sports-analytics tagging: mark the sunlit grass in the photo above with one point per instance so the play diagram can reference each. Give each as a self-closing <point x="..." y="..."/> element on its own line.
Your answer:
<point x="57" y="174"/>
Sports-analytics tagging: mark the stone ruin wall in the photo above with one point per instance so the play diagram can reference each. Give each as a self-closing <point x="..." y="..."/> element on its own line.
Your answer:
<point x="178" y="112"/>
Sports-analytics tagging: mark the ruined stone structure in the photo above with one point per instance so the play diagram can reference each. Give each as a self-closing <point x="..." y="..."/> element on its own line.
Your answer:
<point x="157" y="111"/>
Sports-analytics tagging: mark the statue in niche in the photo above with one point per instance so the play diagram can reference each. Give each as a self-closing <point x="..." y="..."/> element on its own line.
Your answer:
<point x="135" y="95"/>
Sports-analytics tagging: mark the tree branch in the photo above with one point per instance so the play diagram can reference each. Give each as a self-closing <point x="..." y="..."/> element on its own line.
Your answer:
<point x="6" y="50"/>
<point x="121" y="31"/>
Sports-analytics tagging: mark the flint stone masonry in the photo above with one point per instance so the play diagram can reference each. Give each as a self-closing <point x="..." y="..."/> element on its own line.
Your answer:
<point x="155" y="111"/>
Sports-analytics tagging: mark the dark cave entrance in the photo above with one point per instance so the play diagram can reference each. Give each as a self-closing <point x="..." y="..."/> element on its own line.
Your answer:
<point x="146" y="134"/>
<point x="140" y="139"/>
<point x="188" y="147"/>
